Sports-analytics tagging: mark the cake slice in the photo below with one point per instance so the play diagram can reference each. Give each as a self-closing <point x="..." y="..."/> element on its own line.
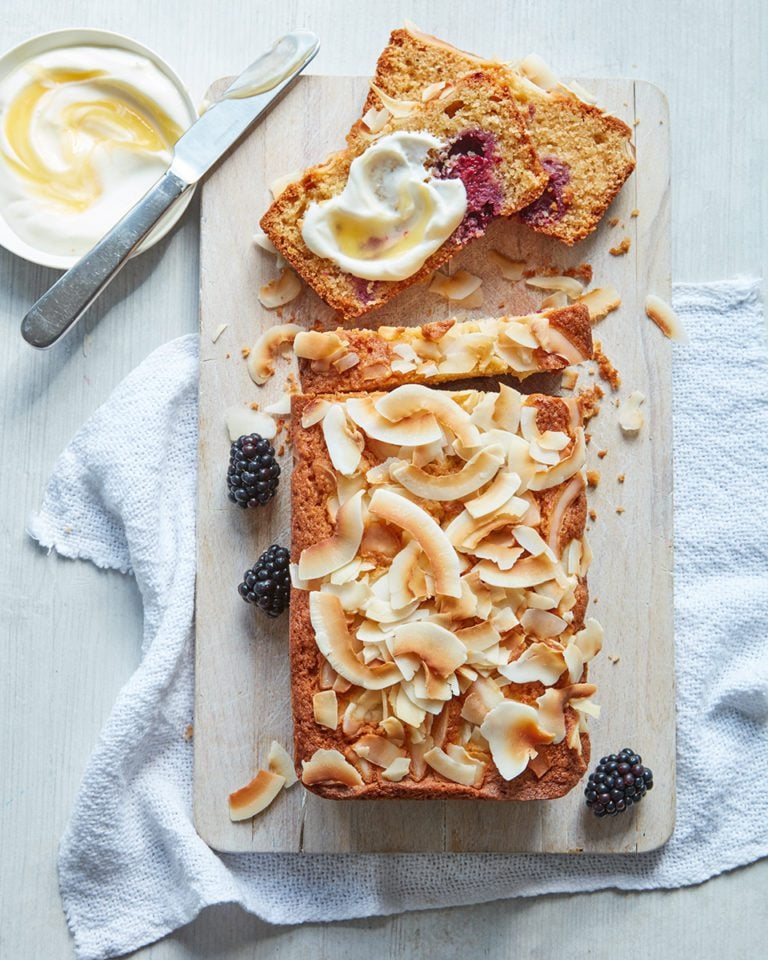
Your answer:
<point x="438" y="642"/>
<point x="343" y="361"/>
<point x="375" y="218"/>
<point x="586" y="152"/>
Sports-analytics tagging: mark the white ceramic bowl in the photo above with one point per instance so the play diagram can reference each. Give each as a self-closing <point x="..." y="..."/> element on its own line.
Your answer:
<point x="56" y="40"/>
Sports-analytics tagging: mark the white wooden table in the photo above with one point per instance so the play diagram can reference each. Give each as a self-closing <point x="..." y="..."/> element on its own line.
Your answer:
<point x="69" y="634"/>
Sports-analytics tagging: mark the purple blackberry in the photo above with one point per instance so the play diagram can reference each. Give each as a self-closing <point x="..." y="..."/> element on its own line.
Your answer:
<point x="253" y="472"/>
<point x="268" y="582"/>
<point x="619" y="781"/>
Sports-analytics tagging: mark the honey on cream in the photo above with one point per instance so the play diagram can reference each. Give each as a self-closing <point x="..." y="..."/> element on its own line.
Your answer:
<point x="391" y="216"/>
<point x="84" y="133"/>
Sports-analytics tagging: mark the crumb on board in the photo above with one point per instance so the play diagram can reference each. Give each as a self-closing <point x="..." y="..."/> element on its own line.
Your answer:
<point x="255" y="405"/>
<point x="605" y="368"/>
<point x="245" y="352"/>
<point x="291" y="384"/>
<point x="593" y="477"/>
<point x="281" y="450"/>
<point x="621" y="248"/>
<point x="593" y="515"/>
<point x="620" y="509"/>
<point x="602" y="453"/>
<point x="636" y="122"/>
<point x="587" y="437"/>
<point x="227" y="356"/>
<point x="620" y="478"/>
<point x="635" y="213"/>
<point x="613" y="658"/>
<point x="218" y="332"/>
<point x="189" y="731"/>
<point x="613" y="222"/>
<point x="589" y="401"/>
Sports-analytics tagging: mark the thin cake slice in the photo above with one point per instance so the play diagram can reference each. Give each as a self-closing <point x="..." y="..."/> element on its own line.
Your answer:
<point x="478" y="163"/>
<point x="343" y="361"/>
<point x="586" y="152"/>
<point x="438" y="641"/>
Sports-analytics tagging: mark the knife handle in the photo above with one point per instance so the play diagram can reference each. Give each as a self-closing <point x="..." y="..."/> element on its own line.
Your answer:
<point x="62" y="306"/>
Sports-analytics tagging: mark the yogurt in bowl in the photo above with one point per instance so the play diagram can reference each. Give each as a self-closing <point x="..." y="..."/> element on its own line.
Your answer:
<point x="88" y="120"/>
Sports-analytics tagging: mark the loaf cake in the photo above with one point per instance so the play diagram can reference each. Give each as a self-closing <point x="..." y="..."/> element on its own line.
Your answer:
<point x="343" y="361"/>
<point x="353" y="238"/>
<point x="438" y="642"/>
<point x="586" y="152"/>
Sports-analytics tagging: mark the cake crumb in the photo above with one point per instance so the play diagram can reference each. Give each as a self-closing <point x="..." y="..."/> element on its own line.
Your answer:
<point x="245" y="352"/>
<point x="227" y="356"/>
<point x="605" y="368"/>
<point x="621" y="249"/>
<point x="189" y="731"/>
<point x="593" y="515"/>
<point x="593" y="477"/>
<point x="620" y="478"/>
<point x="613" y="222"/>
<point x="613" y="658"/>
<point x="602" y="453"/>
<point x="589" y="401"/>
<point x="255" y="405"/>
<point x="635" y="213"/>
<point x="619" y="509"/>
<point x="636" y="122"/>
<point x="281" y="450"/>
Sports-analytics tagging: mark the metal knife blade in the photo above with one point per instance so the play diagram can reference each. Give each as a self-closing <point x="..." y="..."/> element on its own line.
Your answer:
<point x="197" y="150"/>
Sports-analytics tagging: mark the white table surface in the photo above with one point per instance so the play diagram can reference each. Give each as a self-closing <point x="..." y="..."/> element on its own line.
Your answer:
<point x="69" y="634"/>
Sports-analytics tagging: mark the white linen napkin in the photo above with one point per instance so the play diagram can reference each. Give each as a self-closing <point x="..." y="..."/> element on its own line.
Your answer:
<point x="132" y="867"/>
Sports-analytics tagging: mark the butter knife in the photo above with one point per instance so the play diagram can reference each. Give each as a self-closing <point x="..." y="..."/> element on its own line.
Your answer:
<point x="240" y="106"/>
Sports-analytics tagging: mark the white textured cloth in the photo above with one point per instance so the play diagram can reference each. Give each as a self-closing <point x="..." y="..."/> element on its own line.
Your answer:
<point x="132" y="867"/>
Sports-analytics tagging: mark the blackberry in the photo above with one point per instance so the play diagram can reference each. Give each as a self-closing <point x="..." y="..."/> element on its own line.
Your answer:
<point x="619" y="781"/>
<point x="268" y="582"/>
<point x="253" y="472"/>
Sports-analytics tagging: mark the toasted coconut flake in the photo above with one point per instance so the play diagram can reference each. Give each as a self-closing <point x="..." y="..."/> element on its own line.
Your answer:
<point x="665" y="318"/>
<point x="541" y="624"/>
<point x="317" y="345"/>
<point x="393" y="728"/>
<point x="433" y="90"/>
<point x="457" y="752"/>
<point x="483" y="695"/>
<point x="281" y="407"/>
<point x="255" y="796"/>
<point x="438" y="649"/>
<point x="481" y="636"/>
<point x="401" y="512"/>
<point x="472" y="301"/>
<point x="570" y="286"/>
<point x="407" y="711"/>
<point x="278" y="185"/>
<point x="554" y="300"/>
<point x="455" y="770"/>
<point x="506" y="411"/>
<point x="320" y="559"/>
<point x="600" y="302"/>
<point x="279" y="761"/>
<point x="397" y="770"/>
<point x="398" y="108"/>
<point x="525" y="573"/>
<point x="329" y="766"/>
<point x="377" y="750"/>
<point x="314" y="412"/>
<point x="218" y="331"/>
<point x="345" y="448"/>
<point x="537" y="662"/>
<point x="261" y="359"/>
<point x="325" y="708"/>
<point x="631" y="419"/>
<point x="335" y="644"/>
<point x="514" y="736"/>
<point x="563" y="470"/>
<point x="520" y="333"/>
<point x="242" y="421"/>
<point x="538" y="71"/>
<point x="262" y="240"/>
<point x="531" y="541"/>
<point x="414" y="398"/>
<point x="375" y="119"/>
<point x="509" y="269"/>
<point x="504" y="487"/>
<point x="410" y="431"/>
<point x="459" y="286"/>
<point x="346" y="362"/>
<point x="586" y="706"/>
<point x="566" y="497"/>
<point x="450" y="486"/>
<point x="499" y="547"/>
<point x="284" y="288"/>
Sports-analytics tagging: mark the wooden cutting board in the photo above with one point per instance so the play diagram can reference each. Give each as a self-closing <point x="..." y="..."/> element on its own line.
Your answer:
<point x="242" y="672"/>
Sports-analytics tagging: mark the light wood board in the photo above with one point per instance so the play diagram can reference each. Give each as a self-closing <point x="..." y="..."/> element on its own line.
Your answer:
<point x="242" y="672"/>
